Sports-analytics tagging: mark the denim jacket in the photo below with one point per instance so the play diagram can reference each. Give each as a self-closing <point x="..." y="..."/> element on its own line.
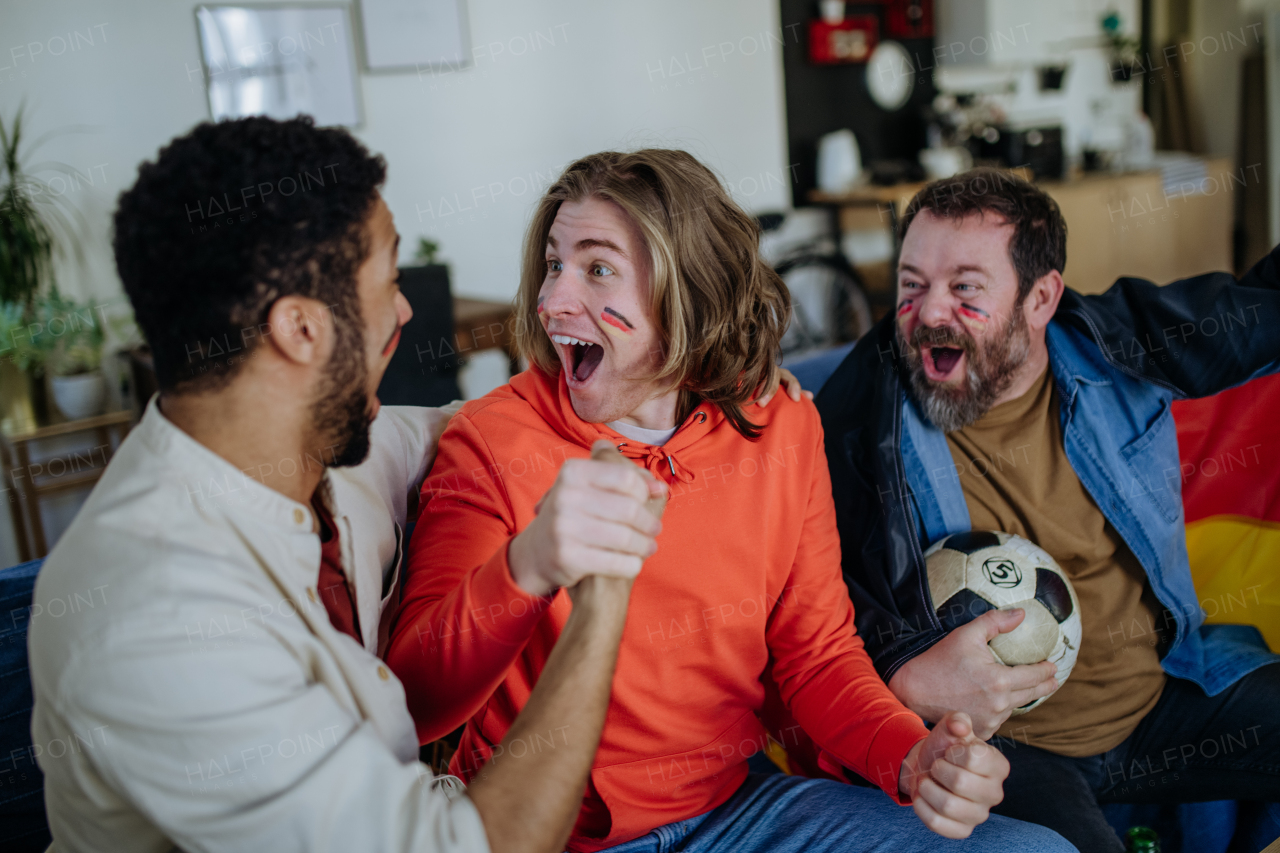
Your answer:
<point x="1118" y="360"/>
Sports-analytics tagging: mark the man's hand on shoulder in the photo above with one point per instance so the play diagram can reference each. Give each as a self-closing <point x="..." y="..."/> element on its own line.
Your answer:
<point x="781" y="378"/>
<point x="594" y="521"/>
<point x="953" y="778"/>
<point x="959" y="673"/>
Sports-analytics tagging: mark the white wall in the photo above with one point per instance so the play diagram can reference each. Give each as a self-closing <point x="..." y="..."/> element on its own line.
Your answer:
<point x="704" y="75"/>
<point x="1018" y="32"/>
<point x="490" y="135"/>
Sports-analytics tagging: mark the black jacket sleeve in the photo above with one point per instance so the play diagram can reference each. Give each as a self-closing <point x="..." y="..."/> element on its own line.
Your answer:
<point x="1197" y="336"/>
<point x="880" y="552"/>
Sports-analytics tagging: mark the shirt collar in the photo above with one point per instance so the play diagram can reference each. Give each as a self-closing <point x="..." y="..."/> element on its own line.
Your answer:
<point x="211" y="482"/>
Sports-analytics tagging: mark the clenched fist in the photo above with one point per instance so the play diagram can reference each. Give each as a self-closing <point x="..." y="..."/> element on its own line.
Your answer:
<point x="593" y="521"/>
<point x="953" y="778"/>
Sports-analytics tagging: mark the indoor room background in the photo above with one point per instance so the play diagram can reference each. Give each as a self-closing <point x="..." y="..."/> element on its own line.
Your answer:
<point x="472" y="142"/>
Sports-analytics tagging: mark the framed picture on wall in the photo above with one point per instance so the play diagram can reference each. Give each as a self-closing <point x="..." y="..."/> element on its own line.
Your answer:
<point x="279" y="61"/>
<point x="409" y="35"/>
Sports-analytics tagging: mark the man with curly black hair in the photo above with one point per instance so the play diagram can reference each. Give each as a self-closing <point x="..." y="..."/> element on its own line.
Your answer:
<point x="245" y="541"/>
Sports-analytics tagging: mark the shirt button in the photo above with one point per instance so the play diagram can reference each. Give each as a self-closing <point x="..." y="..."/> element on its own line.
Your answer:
<point x="384" y="673"/>
<point x="298" y="517"/>
<point x="311" y="594"/>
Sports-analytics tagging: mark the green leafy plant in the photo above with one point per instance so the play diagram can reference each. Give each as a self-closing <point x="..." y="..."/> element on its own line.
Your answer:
<point x="427" y="251"/>
<point x="15" y="337"/>
<point x="1124" y="49"/>
<point x="36" y="223"/>
<point x="68" y="335"/>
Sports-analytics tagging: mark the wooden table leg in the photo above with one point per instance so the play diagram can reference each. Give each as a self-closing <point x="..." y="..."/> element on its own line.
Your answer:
<point x="31" y="502"/>
<point x="15" y="507"/>
<point x="103" y="434"/>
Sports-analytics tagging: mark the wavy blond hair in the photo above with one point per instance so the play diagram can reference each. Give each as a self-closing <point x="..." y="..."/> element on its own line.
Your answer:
<point x="721" y="310"/>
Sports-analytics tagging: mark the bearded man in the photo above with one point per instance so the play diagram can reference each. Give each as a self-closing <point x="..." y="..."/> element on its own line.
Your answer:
<point x="995" y="399"/>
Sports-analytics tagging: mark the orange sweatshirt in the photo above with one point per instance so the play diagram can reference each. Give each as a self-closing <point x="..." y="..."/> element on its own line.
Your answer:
<point x="747" y="570"/>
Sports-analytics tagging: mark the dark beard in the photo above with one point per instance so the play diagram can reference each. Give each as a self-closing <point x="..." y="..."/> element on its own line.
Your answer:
<point x="340" y="412"/>
<point x="989" y="370"/>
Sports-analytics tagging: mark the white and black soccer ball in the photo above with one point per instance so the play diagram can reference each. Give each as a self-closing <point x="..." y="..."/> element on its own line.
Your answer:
<point x="980" y="570"/>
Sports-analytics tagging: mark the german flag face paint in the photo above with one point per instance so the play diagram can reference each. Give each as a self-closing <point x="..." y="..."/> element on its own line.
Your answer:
<point x="615" y="323"/>
<point x="974" y="317"/>
<point x="905" y="307"/>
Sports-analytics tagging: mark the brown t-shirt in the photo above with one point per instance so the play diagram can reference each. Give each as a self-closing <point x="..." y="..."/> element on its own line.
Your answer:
<point x="1015" y="476"/>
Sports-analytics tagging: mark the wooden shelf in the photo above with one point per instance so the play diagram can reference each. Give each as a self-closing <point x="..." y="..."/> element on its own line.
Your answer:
<point x="28" y="486"/>
<point x="1118" y="224"/>
<point x="482" y="324"/>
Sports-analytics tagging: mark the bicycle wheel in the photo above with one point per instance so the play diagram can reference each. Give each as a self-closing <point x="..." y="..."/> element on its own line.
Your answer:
<point x="829" y="305"/>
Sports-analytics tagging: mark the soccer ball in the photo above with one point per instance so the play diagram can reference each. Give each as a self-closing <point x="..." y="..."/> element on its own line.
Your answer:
<point x="971" y="573"/>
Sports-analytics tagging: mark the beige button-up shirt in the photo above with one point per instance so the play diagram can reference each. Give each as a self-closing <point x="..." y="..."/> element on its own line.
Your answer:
<point x="190" y="692"/>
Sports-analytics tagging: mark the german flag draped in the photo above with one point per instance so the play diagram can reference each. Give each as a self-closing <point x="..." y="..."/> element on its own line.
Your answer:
<point x="1230" y="451"/>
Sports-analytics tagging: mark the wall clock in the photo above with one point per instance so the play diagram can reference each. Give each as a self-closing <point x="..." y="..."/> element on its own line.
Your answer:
<point x="890" y="76"/>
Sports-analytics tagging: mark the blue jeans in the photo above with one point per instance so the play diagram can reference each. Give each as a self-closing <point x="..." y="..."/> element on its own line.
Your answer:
<point x="1190" y="748"/>
<point x="790" y="814"/>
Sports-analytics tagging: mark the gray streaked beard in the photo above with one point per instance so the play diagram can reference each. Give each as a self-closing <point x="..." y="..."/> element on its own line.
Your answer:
<point x="989" y="370"/>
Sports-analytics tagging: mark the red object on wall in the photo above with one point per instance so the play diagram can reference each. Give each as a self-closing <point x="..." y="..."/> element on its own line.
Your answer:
<point x="907" y="19"/>
<point x="849" y="41"/>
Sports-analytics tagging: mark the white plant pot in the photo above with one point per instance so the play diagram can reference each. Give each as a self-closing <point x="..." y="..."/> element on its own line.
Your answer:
<point x="81" y="396"/>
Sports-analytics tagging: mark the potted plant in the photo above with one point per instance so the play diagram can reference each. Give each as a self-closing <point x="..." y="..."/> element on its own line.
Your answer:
<point x="36" y="225"/>
<point x="18" y="361"/>
<point x="1124" y="48"/>
<point x="427" y="251"/>
<point x="70" y="336"/>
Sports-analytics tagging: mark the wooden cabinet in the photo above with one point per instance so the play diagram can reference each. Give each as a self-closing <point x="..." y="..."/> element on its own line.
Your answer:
<point x="1117" y="225"/>
<point x="1124" y="225"/>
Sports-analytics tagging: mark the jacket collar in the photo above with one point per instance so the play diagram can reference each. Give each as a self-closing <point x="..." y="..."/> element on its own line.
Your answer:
<point x="1074" y="359"/>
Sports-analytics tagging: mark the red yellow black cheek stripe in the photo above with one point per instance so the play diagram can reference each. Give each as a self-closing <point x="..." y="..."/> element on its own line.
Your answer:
<point x="973" y="312"/>
<point x="905" y="306"/>
<point x="616" y="320"/>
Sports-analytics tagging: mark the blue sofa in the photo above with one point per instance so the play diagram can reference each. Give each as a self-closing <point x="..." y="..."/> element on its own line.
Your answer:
<point x="22" y="820"/>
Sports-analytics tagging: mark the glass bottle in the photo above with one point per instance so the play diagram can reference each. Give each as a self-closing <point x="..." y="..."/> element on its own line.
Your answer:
<point x="1141" y="839"/>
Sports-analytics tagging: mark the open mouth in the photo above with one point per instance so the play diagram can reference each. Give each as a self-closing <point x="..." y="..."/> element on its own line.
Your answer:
<point x="392" y="342"/>
<point x="944" y="359"/>
<point x="583" y="357"/>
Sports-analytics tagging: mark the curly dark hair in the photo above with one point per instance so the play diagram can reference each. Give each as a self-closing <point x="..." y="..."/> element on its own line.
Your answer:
<point x="1039" y="242"/>
<point x="228" y="219"/>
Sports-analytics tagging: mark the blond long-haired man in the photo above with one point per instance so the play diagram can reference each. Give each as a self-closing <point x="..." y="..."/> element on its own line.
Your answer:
<point x="649" y="320"/>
